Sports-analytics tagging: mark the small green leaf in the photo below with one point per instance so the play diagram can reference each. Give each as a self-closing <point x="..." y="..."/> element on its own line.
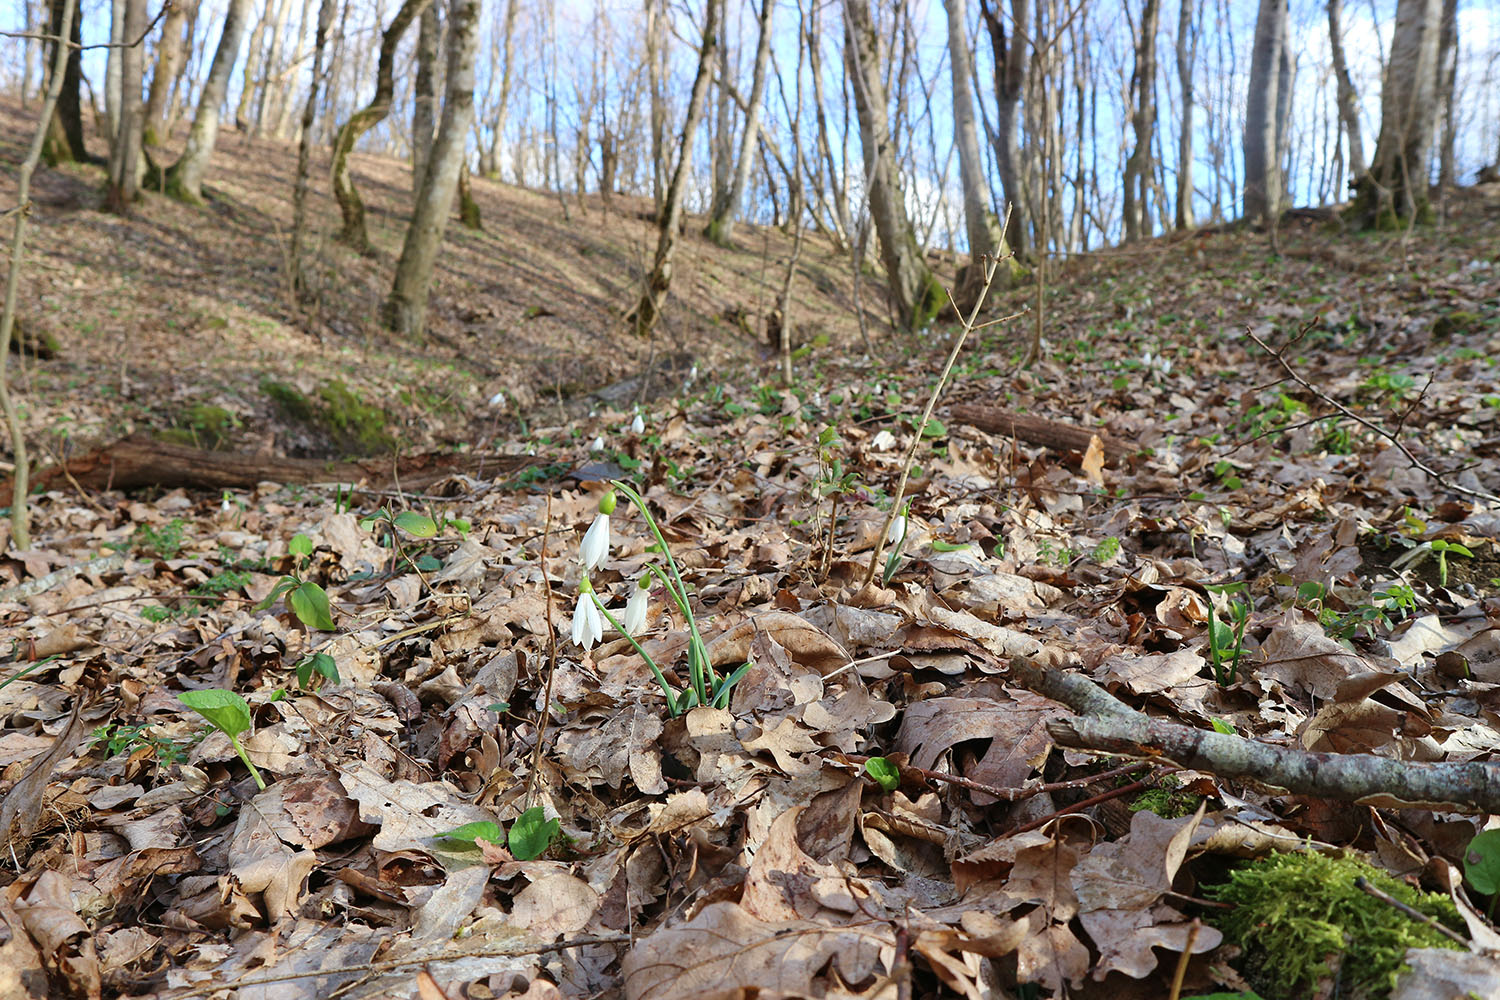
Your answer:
<point x="300" y="545"/>
<point x="1482" y="862"/>
<point x="414" y="523"/>
<point x="886" y="774"/>
<point x="934" y="428"/>
<point x="309" y="602"/>
<point x="282" y="586"/>
<point x="938" y="545"/>
<point x="469" y="832"/>
<point x="320" y="663"/>
<point x="1220" y="726"/>
<point x="225" y="710"/>
<point x="531" y="834"/>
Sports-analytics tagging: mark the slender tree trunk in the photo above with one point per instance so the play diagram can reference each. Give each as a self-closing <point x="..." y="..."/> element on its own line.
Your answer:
<point x="169" y="63"/>
<point x="722" y="217"/>
<point x="1447" y="81"/>
<point x="656" y="83"/>
<point x="424" y="96"/>
<point x="65" y="141"/>
<point x="1395" y="190"/>
<point x="1348" y="99"/>
<point x="915" y="293"/>
<point x="491" y="166"/>
<point x="286" y="94"/>
<point x="980" y="225"/>
<point x="648" y="309"/>
<point x="272" y="65"/>
<point x="1187" y="51"/>
<point x="304" y="146"/>
<point x="405" y="309"/>
<point x="1010" y="61"/>
<point x="350" y="205"/>
<point x="842" y="219"/>
<point x="1143" y="121"/>
<point x="721" y="140"/>
<point x="112" y="91"/>
<point x="185" y="178"/>
<point x="252" y="69"/>
<point x="125" y="151"/>
<point x="1263" y="180"/>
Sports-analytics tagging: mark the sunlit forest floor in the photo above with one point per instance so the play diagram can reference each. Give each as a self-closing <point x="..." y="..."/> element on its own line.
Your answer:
<point x="1177" y="503"/>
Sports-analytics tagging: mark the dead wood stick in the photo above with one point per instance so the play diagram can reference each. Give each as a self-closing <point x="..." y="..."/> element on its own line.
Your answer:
<point x="1107" y="725"/>
<point x="1032" y="429"/>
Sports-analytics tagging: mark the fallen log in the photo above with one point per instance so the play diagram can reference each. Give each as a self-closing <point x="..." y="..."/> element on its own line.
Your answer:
<point x="141" y="461"/>
<point x="1036" y="430"/>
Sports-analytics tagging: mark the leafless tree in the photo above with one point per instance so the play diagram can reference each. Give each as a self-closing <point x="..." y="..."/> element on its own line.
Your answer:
<point x="424" y="95"/>
<point x="185" y="178"/>
<point x="722" y="214"/>
<point x="1187" y="52"/>
<point x="1264" y="184"/>
<point x="125" y="151"/>
<point x="1143" y="121"/>
<point x="1348" y="99"/>
<point x="304" y="146"/>
<point x="170" y="61"/>
<point x="65" y="140"/>
<point x="405" y="308"/>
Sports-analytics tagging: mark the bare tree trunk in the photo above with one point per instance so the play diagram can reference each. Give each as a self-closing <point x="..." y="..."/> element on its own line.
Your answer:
<point x="424" y="96"/>
<point x="1348" y="100"/>
<point x="722" y="216"/>
<point x="980" y="225"/>
<point x="65" y="140"/>
<point x="1143" y="121"/>
<point x="1395" y="190"/>
<point x="1010" y="58"/>
<point x="648" y="309"/>
<point x="350" y="205"/>
<point x="915" y="293"/>
<point x="252" y="69"/>
<point x="842" y="221"/>
<point x="655" y="77"/>
<point x="272" y="65"/>
<point x="112" y="92"/>
<point x="185" y="178"/>
<point x="405" y="309"/>
<point x="125" y="151"/>
<point x="1263" y="180"/>
<point x="304" y="146"/>
<point x="1187" y="51"/>
<point x="1447" y="81"/>
<point x="491" y="166"/>
<point x="721" y="140"/>
<point x="169" y="63"/>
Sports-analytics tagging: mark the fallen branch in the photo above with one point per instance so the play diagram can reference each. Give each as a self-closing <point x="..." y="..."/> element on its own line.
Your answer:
<point x="1032" y="429"/>
<point x="1107" y="725"/>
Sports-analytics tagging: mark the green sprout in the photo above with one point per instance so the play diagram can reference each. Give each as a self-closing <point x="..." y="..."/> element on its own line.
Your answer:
<point x="229" y="714"/>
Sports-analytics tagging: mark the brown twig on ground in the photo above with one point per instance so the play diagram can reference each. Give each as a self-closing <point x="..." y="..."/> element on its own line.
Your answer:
<point x="1007" y="794"/>
<point x="1182" y="961"/>
<point x="546" y="709"/>
<point x="1394" y="437"/>
<point x="1363" y="884"/>
<point x="1107" y="725"/>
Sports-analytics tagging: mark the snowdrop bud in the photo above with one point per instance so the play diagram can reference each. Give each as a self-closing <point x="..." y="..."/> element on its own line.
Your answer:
<point x="498" y="399"/>
<point x="635" y="610"/>
<point x="597" y="444"/>
<point x="607" y="502"/>
<point x="595" y="547"/>
<point x="637" y="425"/>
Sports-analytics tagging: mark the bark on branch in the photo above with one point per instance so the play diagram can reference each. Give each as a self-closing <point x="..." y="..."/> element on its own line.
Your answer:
<point x="1107" y="725"/>
<point x="1033" y="429"/>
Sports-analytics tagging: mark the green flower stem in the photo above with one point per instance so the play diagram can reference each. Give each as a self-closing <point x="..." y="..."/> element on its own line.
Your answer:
<point x="259" y="781"/>
<point x="672" y="703"/>
<point x="701" y="671"/>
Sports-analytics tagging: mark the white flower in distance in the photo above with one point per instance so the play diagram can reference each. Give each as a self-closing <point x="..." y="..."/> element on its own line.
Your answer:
<point x="588" y="624"/>
<point x="635" y="610"/>
<point x="597" y="444"/>
<point x="595" y="547"/>
<point x="637" y="425"/>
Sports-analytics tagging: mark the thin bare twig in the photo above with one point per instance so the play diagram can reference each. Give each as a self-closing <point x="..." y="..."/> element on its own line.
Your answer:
<point x="1393" y="437"/>
<point x="546" y="709"/>
<point x="1363" y="884"/>
<point x="79" y="47"/>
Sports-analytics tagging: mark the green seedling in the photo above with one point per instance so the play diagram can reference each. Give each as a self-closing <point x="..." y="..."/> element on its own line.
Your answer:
<point x="1482" y="866"/>
<point x="417" y="525"/>
<point x="1226" y="639"/>
<point x="530" y="835"/>
<point x="306" y="599"/>
<point x="229" y="714"/>
<point x="317" y="665"/>
<point x="886" y="774"/>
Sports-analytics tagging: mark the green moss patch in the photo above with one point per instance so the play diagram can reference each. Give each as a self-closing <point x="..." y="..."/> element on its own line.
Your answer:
<point x="1302" y="920"/>
<point x="350" y="424"/>
<point x="202" y="425"/>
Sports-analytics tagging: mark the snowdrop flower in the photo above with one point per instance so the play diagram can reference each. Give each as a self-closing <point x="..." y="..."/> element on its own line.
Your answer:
<point x="597" y="444"/>
<point x="637" y="425"/>
<point x="498" y="399"/>
<point x="595" y="547"/>
<point x="636" y="608"/>
<point x="588" y="624"/>
<point x="896" y="533"/>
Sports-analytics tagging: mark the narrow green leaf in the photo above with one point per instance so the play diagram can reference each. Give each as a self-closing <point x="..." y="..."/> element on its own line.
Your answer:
<point x="309" y="602"/>
<point x="531" y="834"/>
<point x="886" y="774"/>
<point x="415" y="523"/>
<point x="225" y="710"/>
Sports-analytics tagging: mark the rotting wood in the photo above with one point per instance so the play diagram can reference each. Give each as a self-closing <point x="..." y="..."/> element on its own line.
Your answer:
<point x="140" y="461"/>
<point x="1107" y="725"/>
<point x="1032" y="429"/>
